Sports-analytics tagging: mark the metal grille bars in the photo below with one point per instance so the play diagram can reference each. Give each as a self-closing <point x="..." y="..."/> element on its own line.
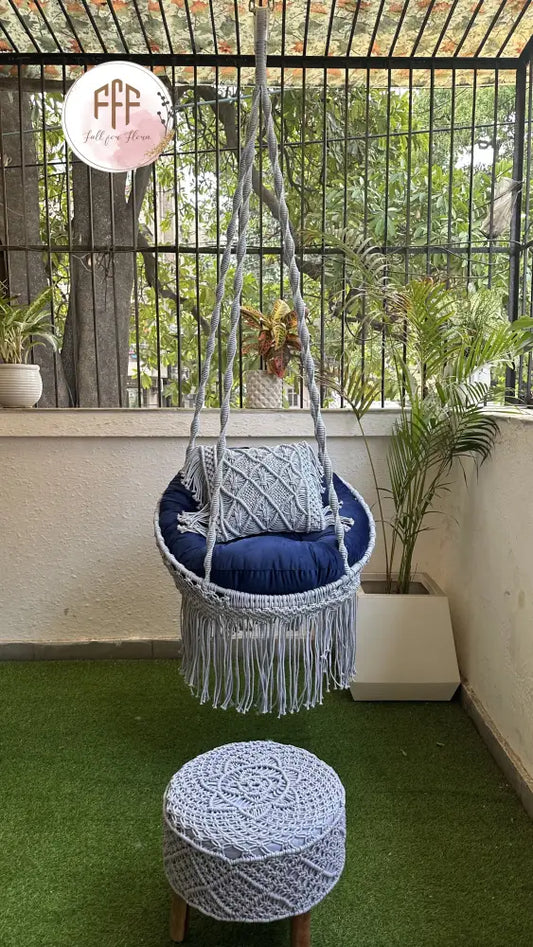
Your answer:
<point x="412" y="152"/>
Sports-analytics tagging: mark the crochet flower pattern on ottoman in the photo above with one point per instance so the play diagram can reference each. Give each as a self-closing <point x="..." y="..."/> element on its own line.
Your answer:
<point x="254" y="831"/>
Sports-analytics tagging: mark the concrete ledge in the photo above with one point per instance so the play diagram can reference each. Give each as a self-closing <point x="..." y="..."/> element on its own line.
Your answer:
<point x="90" y="650"/>
<point x="505" y="757"/>
<point x="173" y="423"/>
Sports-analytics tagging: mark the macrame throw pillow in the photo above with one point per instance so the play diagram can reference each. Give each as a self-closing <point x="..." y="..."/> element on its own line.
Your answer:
<point x="263" y="490"/>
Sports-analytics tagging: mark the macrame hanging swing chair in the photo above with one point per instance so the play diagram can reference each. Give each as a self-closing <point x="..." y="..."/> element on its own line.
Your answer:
<point x="267" y="567"/>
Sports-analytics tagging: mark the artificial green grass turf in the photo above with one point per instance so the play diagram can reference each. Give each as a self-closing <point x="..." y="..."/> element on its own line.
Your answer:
<point x="439" y="850"/>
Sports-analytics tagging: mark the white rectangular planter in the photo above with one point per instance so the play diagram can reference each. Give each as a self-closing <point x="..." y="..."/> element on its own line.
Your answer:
<point x="405" y="647"/>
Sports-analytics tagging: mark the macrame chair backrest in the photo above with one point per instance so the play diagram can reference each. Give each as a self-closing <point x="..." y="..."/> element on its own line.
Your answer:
<point x="261" y="105"/>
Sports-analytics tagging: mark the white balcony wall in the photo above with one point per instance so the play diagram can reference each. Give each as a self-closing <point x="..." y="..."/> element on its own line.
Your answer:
<point x="485" y="567"/>
<point x="77" y="556"/>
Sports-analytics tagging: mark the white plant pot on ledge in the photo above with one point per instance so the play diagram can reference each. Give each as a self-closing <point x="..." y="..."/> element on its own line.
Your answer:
<point x="21" y="386"/>
<point x="263" y="390"/>
<point x="405" y="647"/>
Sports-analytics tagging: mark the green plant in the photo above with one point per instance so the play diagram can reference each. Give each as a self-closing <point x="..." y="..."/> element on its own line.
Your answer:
<point x="24" y="327"/>
<point x="435" y="341"/>
<point x="446" y="337"/>
<point x="276" y="335"/>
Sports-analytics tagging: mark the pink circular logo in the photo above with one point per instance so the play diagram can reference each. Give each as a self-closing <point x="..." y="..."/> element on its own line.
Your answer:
<point x="118" y="116"/>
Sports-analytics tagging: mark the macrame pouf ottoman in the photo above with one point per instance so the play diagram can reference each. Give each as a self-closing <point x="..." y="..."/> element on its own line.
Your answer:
<point x="253" y="832"/>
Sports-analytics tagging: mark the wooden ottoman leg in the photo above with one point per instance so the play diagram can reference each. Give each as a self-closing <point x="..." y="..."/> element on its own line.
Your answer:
<point x="179" y="918"/>
<point x="301" y="930"/>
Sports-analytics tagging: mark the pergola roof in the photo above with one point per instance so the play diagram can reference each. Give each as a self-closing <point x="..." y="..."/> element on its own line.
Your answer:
<point x="306" y="33"/>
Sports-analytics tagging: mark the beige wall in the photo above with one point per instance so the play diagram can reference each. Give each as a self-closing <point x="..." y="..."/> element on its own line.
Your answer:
<point x="79" y="488"/>
<point x="78" y="559"/>
<point x="485" y="566"/>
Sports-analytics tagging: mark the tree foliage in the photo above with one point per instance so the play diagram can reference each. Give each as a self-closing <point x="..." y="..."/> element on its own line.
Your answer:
<point x="372" y="165"/>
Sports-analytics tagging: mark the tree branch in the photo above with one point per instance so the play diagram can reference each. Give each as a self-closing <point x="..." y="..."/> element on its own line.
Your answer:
<point x="164" y="291"/>
<point x="227" y="114"/>
<point x="141" y="178"/>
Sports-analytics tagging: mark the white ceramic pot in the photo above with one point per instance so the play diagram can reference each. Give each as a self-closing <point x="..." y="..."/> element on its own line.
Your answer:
<point x="405" y="648"/>
<point x="264" y="390"/>
<point x="21" y="386"/>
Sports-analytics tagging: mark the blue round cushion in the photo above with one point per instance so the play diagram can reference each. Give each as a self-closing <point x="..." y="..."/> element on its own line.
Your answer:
<point x="270" y="563"/>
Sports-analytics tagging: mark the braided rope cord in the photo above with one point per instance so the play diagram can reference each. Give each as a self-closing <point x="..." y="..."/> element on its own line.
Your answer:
<point x="303" y="331"/>
<point x="244" y="184"/>
<point x="240" y="216"/>
<point x="232" y="346"/>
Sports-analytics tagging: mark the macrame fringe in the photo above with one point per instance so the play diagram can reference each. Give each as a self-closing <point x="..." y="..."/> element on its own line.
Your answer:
<point x="346" y="521"/>
<point x="193" y="476"/>
<point x="283" y="663"/>
<point x="196" y="521"/>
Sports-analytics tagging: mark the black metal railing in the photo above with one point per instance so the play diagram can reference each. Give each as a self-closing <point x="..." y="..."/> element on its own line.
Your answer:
<point x="410" y="155"/>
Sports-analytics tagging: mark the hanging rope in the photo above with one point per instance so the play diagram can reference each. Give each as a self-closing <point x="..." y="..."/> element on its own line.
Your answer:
<point x="239" y="219"/>
<point x="303" y="331"/>
<point x="244" y="182"/>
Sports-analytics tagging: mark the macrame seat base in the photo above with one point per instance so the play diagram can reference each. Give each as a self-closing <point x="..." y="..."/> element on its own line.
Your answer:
<point x="275" y="626"/>
<point x="254" y="832"/>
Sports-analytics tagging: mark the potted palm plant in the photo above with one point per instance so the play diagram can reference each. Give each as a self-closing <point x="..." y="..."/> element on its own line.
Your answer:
<point x="273" y="337"/>
<point x="438" y="342"/>
<point x="21" y="329"/>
